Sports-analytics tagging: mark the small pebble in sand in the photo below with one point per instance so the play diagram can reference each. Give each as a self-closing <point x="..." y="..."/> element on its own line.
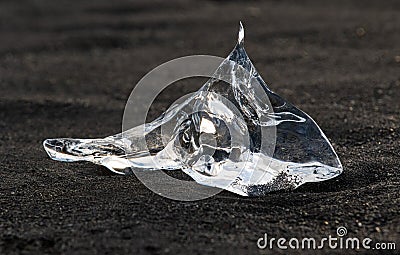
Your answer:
<point x="360" y="32"/>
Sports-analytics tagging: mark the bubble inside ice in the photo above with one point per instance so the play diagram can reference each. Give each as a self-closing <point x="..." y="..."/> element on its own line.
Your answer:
<point x="234" y="133"/>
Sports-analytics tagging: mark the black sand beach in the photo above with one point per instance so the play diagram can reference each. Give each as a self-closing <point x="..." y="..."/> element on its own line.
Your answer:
<point x="68" y="67"/>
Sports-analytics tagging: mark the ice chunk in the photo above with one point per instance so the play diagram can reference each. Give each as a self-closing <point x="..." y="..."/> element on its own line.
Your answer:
<point x="234" y="133"/>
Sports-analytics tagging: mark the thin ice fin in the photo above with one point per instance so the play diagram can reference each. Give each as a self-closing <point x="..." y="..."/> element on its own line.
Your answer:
<point x="240" y="57"/>
<point x="241" y="34"/>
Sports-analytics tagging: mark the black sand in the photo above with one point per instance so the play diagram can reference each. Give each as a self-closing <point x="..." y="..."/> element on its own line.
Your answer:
<point x="67" y="68"/>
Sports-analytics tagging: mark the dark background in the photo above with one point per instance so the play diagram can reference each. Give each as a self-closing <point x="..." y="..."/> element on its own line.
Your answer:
<point x="67" y="68"/>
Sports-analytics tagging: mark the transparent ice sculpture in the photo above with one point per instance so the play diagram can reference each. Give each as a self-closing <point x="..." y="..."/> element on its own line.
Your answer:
<point x="237" y="135"/>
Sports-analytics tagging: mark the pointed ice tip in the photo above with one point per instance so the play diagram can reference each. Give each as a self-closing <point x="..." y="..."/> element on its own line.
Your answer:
<point x="241" y="33"/>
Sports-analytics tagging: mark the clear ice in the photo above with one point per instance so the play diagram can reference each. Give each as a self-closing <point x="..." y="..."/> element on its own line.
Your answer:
<point x="273" y="146"/>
